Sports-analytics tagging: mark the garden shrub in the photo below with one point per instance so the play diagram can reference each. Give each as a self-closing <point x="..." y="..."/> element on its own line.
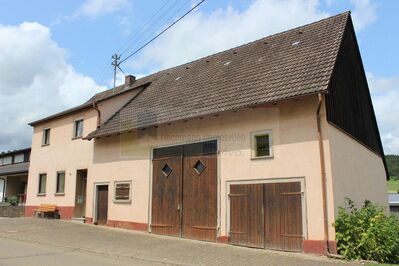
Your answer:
<point x="13" y="200"/>
<point x="367" y="233"/>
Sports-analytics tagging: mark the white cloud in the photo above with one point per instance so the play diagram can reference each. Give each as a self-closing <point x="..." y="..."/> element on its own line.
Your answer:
<point x="385" y="95"/>
<point x="94" y="8"/>
<point x="35" y="80"/>
<point x="202" y="34"/>
<point x="364" y="13"/>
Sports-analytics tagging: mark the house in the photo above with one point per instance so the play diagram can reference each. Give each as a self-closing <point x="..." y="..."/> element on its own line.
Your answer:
<point x="61" y="159"/>
<point x="254" y="146"/>
<point x="14" y="166"/>
<point x="394" y="203"/>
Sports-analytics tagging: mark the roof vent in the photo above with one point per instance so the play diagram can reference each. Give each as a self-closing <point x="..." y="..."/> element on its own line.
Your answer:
<point x="296" y="43"/>
<point x="129" y="79"/>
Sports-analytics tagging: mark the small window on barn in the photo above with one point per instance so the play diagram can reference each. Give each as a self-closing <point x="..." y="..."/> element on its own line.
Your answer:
<point x="78" y="129"/>
<point x="262" y="145"/>
<point x="46" y="137"/>
<point x="42" y="184"/>
<point x="123" y="192"/>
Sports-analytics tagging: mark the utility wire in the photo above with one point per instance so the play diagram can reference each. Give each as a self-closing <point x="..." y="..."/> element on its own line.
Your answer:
<point x="146" y="25"/>
<point x="159" y="34"/>
<point x="158" y="23"/>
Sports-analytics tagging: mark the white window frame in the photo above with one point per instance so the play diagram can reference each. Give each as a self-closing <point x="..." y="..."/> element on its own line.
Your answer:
<point x="44" y="136"/>
<point x="74" y="136"/>
<point x="41" y="193"/>
<point x="130" y="192"/>
<point x="8" y="157"/>
<point x="56" y="183"/>
<point x="17" y="155"/>
<point x="268" y="132"/>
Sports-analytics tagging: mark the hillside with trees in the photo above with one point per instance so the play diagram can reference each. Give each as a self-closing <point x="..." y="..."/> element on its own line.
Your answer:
<point x="393" y="165"/>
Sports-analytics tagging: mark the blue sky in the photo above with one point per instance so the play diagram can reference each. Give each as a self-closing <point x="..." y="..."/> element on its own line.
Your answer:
<point x="63" y="48"/>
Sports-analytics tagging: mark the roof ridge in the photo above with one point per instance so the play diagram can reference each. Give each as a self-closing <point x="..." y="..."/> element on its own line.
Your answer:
<point x="230" y="49"/>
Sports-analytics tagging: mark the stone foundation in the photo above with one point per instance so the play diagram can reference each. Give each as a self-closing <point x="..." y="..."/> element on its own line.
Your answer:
<point x="12" y="211"/>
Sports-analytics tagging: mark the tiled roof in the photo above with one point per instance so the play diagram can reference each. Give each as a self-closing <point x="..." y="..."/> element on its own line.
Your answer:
<point x="291" y="64"/>
<point x="101" y="96"/>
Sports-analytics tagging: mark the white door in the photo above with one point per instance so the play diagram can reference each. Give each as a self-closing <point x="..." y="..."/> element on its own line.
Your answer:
<point x="2" y="184"/>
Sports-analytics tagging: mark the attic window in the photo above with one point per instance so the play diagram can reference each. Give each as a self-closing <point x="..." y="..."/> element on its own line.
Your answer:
<point x="296" y="43"/>
<point x="227" y="63"/>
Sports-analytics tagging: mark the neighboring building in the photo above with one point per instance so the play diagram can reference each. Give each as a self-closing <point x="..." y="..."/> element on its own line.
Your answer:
<point x="61" y="160"/>
<point x="256" y="146"/>
<point x="14" y="166"/>
<point x="394" y="203"/>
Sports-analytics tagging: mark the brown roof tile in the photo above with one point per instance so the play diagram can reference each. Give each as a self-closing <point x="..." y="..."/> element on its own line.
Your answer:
<point x="290" y="64"/>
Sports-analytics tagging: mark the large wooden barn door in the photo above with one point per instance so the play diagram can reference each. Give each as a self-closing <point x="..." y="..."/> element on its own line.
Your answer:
<point x="166" y="191"/>
<point x="200" y="192"/>
<point x="246" y="215"/>
<point x="266" y="215"/>
<point x="184" y="191"/>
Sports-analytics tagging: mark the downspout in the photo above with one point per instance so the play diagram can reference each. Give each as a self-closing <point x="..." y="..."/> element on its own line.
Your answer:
<point x="323" y="175"/>
<point x="98" y="114"/>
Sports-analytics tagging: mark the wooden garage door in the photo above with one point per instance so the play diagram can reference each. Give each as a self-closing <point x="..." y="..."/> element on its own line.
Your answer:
<point x="266" y="215"/>
<point x="185" y="203"/>
<point x="246" y="215"/>
<point x="283" y="216"/>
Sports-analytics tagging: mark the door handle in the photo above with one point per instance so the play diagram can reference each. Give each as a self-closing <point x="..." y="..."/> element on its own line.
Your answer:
<point x="178" y="207"/>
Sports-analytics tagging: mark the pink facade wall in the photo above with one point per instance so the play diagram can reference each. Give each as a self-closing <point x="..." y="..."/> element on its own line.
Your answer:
<point x="296" y="157"/>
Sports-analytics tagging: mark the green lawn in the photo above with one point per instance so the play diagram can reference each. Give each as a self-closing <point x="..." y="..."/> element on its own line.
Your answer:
<point x="393" y="185"/>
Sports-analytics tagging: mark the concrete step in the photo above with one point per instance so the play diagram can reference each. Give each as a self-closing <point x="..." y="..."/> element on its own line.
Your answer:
<point x="78" y="220"/>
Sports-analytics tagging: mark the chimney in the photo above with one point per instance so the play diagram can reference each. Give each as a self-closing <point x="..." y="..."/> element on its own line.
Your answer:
<point x="129" y="79"/>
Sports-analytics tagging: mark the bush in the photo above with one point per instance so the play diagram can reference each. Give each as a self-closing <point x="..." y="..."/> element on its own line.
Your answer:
<point x="367" y="233"/>
<point x="13" y="200"/>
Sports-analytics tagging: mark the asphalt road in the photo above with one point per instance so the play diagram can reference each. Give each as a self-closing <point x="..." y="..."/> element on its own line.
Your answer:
<point x="28" y="241"/>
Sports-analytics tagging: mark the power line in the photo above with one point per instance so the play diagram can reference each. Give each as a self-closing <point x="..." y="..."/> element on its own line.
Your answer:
<point x="157" y="24"/>
<point x="146" y="24"/>
<point x="159" y="34"/>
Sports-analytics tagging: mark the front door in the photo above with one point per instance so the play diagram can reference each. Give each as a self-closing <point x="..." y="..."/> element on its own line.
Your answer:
<point x="184" y="193"/>
<point x="102" y="204"/>
<point x="266" y="215"/>
<point x="80" y="196"/>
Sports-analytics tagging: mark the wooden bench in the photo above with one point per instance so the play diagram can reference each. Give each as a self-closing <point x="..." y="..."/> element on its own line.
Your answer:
<point x="46" y="211"/>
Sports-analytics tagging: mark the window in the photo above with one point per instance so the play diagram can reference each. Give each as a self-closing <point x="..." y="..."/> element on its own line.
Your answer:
<point x="78" y="129"/>
<point x="6" y="160"/>
<point x="19" y="158"/>
<point x="60" y="189"/>
<point x="262" y="145"/>
<point x="46" y="137"/>
<point x="122" y="191"/>
<point x="42" y="183"/>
